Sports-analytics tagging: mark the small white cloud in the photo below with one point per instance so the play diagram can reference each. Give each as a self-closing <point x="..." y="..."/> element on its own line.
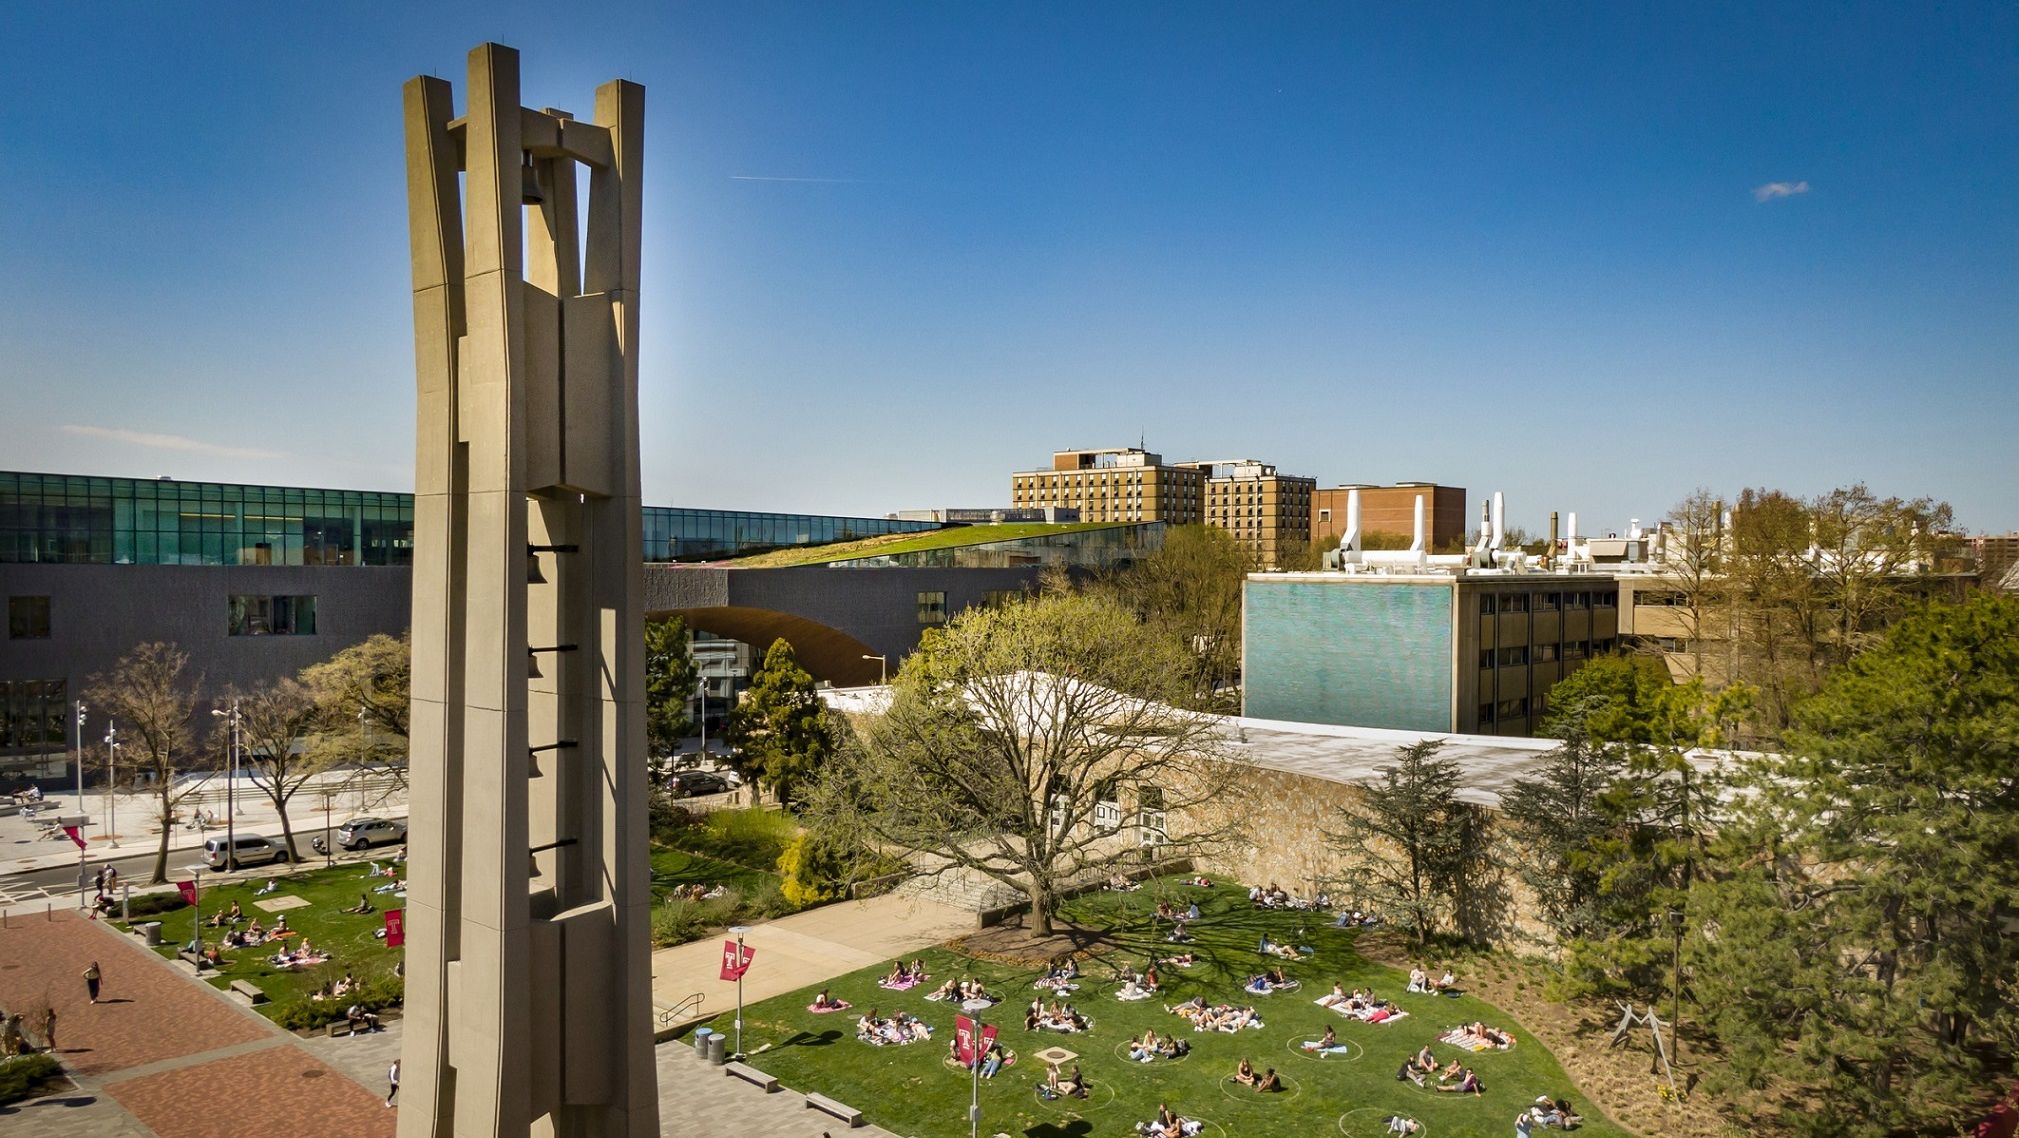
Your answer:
<point x="805" y="181"/>
<point x="1773" y="190"/>
<point x="168" y="442"/>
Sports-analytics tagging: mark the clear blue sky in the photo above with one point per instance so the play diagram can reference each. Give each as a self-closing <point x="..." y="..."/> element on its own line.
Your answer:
<point x="895" y="252"/>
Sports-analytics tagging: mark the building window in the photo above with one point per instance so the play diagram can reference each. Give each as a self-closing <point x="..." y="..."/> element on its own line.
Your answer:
<point x="1486" y="713"/>
<point x="1577" y="600"/>
<point x="1514" y="602"/>
<point x="1150" y="817"/>
<point x="1107" y="815"/>
<point x="1512" y="708"/>
<point x="272" y="616"/>
<point x="1486" y="657"/>
<point x="1486" y="604"/>
<point x="932" y="608"/>
<point x="27" y="618"/>
<point x="1604" y="600"/>
<point x="1547" y="602"/>
<point x="33" y="715"/>
<point x="1513" y="657"/>
<point x="1544" y="653"/>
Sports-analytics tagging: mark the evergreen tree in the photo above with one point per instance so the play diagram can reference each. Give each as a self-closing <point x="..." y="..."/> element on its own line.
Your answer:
<point x="781" y="726"/>
<point x="1862" y="952"/>
<point x="1415" y="841"/>
<point x="670" y="677"/>
<point x="1557" y="815"/>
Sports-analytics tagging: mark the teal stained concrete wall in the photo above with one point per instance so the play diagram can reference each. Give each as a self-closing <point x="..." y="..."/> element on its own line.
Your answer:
<point x="1366" y="654"/>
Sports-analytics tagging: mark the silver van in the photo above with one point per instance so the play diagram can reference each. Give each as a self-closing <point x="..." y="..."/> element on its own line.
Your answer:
<point x="251" y="850"/>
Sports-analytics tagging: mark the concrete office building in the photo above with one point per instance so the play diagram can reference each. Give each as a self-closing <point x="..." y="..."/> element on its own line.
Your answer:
<point x="1389" y="510"/>
<point x="1266" y="511"/>
<point x="1468" y="643"/>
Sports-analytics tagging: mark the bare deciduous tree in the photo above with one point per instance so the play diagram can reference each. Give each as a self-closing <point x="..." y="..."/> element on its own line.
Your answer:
<point x="148" y="698"/>
<point x="1037" y="743"/>
<point x="276" y="725"/>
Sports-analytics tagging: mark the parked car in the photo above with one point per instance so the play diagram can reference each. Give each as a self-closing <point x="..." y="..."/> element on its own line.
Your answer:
<point x="249" y="850"/>
<point x="359" y="833"/>
<point x="687" y="784"/>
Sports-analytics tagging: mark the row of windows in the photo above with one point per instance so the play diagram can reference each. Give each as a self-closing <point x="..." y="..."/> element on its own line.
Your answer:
<point x="253" y="615"/>
<point x="1511" y="709"/>
<point x="71" y="519"/>
<point x="1490" y="603"/>
<point x="1517" y="656"/>
<point x="33" y="715"/>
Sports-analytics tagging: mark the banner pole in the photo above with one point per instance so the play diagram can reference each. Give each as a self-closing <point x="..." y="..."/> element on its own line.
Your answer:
<point x="740" y="969"/>
<point x="974" y="1082"/>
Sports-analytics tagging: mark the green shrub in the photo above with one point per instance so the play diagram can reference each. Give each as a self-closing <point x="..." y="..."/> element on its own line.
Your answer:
<point x="678" y="921"/>
<point x="752" y="838"/>
<point x="23" y="1076"/>
<point x="155" y="904"/>
<point x="813" y="871"/>
<point x="373" y="993"/>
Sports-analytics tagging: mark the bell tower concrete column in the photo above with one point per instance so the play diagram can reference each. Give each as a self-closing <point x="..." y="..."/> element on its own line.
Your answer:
<point x="528" y="1006"/>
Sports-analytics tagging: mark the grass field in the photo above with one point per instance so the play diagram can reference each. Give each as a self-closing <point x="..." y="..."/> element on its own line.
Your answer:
<point x="346" y="936"/>
<point x="913" y="1089"/>
<point x="909" y="543"/>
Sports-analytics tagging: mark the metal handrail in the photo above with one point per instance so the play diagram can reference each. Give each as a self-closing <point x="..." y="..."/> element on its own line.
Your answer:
<point x="690" y="1004"/>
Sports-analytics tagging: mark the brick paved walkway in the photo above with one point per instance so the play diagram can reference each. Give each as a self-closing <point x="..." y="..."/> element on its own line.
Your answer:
<point x="163" y="1055"/>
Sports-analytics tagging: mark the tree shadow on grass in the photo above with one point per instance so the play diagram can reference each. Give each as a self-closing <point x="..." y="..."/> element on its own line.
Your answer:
<point x="1076" y="1128"/>
<point x="809" y="1039"/>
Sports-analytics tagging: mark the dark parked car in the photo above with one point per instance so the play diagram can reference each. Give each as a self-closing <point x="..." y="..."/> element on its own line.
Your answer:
<point x="687" y="784"/>
<point x="358" y="833"/>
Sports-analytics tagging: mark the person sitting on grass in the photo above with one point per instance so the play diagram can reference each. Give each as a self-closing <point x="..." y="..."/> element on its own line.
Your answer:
<point x="1467" y="1084"/>
<point x="1269" y="1083"/>
<point x="1327" y="1044"/>
<point x="993" y="1060"/>
<point x="1182" y="960"/>
<point x="1419" y="980"/>
<point x="1143" y="1050"/>
<point x="1397" y="1124"/>
<point x="1245" y="1073"/>
<point x="825" y="1002"/>
<point x="364" y="905"/>
<point x="1409" y="1071"/>
<point x="272" y="886"/>
<point x="1178" y="935"/>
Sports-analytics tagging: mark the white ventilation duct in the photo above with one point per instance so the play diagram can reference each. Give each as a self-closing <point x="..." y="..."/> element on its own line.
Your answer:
<point x="1416" y="545"/>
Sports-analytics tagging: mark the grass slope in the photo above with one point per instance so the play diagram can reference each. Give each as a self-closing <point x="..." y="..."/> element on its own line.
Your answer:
<point x="910" y="543"/>
<point x="912" y="1090"/>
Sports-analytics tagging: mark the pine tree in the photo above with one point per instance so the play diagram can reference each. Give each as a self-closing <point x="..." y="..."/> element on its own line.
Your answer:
<point x="1557" y="814"/>
<point x="781" y="726"/>
<point x="1415" y="841"/>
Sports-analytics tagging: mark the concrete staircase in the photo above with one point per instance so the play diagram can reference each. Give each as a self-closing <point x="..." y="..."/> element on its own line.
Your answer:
<point x="959" y="888"/>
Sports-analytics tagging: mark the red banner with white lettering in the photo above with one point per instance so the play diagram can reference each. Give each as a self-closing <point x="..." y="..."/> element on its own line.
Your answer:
<point x="188" y="889"/>
<point x="963" y="1040"/>
<point x="987" y="1036"/>
<point x="734" y="965"/>
<point x="396" y="927"/>
<point x="71" y="833"/>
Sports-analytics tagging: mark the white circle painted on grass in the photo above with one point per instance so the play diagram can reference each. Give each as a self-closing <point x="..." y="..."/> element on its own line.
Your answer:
<point x="1100" y="1096"/>
<point x="1353" y="1054"/>
<point x="1233" y="1090"/>
<point x="1122" y="1053"/>
<point x="1372" y="1122"/>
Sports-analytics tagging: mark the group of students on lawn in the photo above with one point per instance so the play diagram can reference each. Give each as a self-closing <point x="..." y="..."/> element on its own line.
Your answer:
<point x="1424" y="1068"/>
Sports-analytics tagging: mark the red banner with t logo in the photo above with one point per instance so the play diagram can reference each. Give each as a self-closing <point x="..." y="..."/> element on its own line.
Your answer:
<point x="963" y="1040"/>
<point x="396" y="927"/>
<point x="188" y="889"/>
<point x="736" y="959"/>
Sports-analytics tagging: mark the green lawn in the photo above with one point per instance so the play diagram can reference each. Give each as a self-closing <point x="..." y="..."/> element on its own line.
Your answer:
<point x="346" y="936"/>
<point x="913" y="1090"/>
<point x="910" y="543"/>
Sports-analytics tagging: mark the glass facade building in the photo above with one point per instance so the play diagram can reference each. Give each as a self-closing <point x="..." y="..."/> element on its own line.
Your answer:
<point x="79" y="520"/>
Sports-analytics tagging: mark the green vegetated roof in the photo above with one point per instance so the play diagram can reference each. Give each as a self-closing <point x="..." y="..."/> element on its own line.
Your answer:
<point x="912" y="543"/>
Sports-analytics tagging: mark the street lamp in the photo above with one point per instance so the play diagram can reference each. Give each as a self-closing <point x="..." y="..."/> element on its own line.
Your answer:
<point x="111" y="777"/>
<point x="701" y="694"/>
<point x="328" y="850"/>
<point x="232" y="719"/>
<point x="81" y="709"/>
<point x="882" y="668"/>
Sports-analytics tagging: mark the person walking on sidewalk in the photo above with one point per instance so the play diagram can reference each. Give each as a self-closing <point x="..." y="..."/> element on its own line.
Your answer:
<point x="393" y="1079"/>
<point x="91" y="978"/>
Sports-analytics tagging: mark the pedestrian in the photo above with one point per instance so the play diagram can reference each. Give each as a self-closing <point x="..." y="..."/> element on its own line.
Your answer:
<point x="111" y="878"/>
<point x="98" y="882"/>
<point x="393" y="1080"/>
<point x="91" y="978"/>
<point x="49" y="1028"/>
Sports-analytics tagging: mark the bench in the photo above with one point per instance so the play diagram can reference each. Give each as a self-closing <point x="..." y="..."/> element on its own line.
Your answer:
<point x="249" y="990"/>
<point x="845" y="1113"/>
<point x="336" y="1029"/>
<point x="752" y="1075"/>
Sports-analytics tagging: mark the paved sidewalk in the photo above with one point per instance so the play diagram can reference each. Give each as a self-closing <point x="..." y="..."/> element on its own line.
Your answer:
<point x="802" y="949"/>
<point x="162" y="1055"/>
<point x="698" y="1099"/>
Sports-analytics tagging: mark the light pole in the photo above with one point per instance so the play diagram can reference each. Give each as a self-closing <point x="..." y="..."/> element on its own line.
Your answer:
<point x="81" y="709"/>
<point x="882" y="668"/>
<point x="328" y="850"/>
<point x="739" y="930"/>
<point x="196" y="899"/>
<point x="231" y="719"/>
<point x="111" y="777"/>
<point x="701" y="693"/>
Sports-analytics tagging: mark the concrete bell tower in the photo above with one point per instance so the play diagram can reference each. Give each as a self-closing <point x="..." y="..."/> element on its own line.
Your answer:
<point x="528" y="979"/>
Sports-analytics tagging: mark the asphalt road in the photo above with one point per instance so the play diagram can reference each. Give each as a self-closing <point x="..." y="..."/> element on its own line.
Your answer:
<point x="137" y="869"/>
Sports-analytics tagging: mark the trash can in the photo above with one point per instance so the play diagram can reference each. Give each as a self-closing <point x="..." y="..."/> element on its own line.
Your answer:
<point x="150" y="932"/>
<point x="701" y="1035"/>
<point x="718" y="1048"/>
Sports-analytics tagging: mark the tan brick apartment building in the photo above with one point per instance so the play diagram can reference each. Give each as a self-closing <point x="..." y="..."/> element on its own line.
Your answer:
<point x="1392" y="510"/>
<point x="1266" y="510"/>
